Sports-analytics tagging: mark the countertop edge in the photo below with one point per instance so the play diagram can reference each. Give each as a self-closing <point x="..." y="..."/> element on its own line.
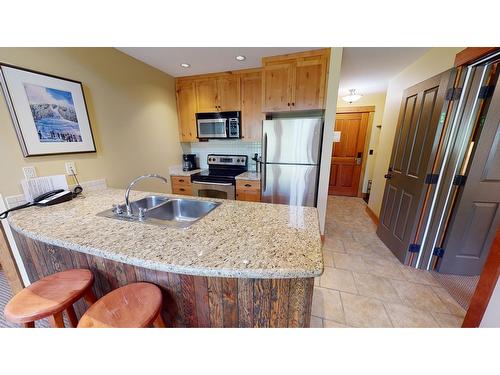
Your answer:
<point x="184" y="270"/>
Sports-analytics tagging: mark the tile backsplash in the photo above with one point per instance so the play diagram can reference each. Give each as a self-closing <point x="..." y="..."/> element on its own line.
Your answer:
<point x="202" y="149"/>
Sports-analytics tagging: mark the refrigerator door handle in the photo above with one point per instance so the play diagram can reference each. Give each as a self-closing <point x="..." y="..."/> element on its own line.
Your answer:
<point x="263" y="165"/>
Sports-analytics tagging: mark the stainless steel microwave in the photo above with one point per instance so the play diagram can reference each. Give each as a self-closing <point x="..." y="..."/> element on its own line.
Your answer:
<point x="218" y="125"/>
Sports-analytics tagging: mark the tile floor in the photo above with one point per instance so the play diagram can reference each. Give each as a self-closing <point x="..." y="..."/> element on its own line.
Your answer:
<point x="365" y="285"/>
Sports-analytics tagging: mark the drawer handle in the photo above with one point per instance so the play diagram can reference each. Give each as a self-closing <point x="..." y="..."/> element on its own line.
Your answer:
<point x="248" y="185"/>
<point x="182" y="189"/>
<point x="181" y="180"/>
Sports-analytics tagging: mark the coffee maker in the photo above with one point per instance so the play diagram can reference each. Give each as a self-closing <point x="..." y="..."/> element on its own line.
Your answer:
<point x="188" y="162"/>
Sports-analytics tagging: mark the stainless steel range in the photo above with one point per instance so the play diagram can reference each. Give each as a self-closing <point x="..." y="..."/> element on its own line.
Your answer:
<point x="219" y="181"/>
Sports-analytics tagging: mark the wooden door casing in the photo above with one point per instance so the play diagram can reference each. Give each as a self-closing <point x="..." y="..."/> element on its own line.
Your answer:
<point x="251" y="106"/>
<point x="413" y="152"/>
<point x="344" y="171"/>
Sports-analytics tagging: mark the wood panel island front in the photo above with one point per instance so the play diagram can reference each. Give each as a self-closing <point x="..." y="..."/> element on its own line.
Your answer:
<point x="245" y="264"/>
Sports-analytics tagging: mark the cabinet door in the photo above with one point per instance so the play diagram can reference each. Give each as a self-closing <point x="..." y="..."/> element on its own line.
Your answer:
<point x="276" y="90"/>
<point x="229" y="93"/>
<point x="309" y="80"/>
<point x="206" y="95"/>
<point x="251" y="106"/>
<point x="186" y="111"/>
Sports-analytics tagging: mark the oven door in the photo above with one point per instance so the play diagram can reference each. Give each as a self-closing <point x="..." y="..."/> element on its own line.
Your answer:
<point x="212" y="128"/>
<point x="214" y="190"/>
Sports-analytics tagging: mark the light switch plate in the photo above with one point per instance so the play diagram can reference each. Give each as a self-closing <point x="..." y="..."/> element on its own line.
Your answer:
<point x="70" y="167"/>
<point x="29" y="172"/>
<point x="336" y="136"/>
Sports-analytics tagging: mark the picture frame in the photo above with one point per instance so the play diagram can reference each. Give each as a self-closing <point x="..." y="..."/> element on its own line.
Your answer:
<point x="49" y="112"/>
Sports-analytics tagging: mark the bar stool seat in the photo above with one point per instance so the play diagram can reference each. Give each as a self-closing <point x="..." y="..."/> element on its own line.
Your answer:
<point x="135" y="305"/>
<point x="49" y="297"/>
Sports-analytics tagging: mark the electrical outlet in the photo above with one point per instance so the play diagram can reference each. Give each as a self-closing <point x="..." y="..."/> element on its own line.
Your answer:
<point x="29" y="172"/>
<point x="70" y="167"/>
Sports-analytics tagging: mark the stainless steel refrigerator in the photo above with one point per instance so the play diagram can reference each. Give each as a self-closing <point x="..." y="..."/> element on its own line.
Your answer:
<point x="291" y="151"/>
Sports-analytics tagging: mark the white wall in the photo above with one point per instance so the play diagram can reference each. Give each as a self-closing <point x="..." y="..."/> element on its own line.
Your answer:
<point x="331" y="109"/>
<point x="436" y="61"/>
<point x="491" y="318"/>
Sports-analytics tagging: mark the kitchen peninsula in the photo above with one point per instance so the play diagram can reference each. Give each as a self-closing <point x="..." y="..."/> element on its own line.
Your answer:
<point x="244" y="264"/>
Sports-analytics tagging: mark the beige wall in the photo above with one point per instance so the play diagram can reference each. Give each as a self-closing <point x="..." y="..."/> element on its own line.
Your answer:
<point x="132" y="112"/>
<point x="433" y="62"/>
<point x="378" y="101"/>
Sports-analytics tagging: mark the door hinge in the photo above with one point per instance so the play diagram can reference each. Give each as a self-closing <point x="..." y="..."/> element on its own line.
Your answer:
<point x="438" y="251"/>
<point x="459" y="180"/>
<point x="431" y="179"/>
<point x="486" y="92"/>
<point x="414" y="248"/>
<point x="453" y="93"/>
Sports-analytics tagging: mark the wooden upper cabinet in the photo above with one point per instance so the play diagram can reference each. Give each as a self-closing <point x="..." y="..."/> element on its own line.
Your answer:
<point x="308" y="88"/>
<point x="186" y="110"/>
<point x="295" y="81"/>
<point x="251" y="106"/>
<point x="229" y="93"/>
<point x="276" y="90"/>
<point x="206" y="95"/>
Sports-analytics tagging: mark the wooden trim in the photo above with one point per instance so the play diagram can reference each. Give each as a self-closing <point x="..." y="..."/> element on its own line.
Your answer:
<point x="485" y="287"/>
<point x="298" y="55"/>
<point x="471" y="54"/>
<point x="322" y="238"/>
<point x="372" y="214"/>
<point x="8" y="264"/>
<point x="229" y="73"/>
<point x="366" y="148"/>
<point x="366" y="108"/>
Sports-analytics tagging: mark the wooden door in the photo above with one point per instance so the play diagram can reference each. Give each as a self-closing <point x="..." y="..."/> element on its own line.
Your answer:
<point x="308" y="85"/>
<point x="476" y="216"/>
<point x="276" y="88"/>
<point x="251" y="106"/>
<point x="229" y="93"/>
<point x="206" y="95"/>
<point x="413" y="153"/>
<point x="186" y="110"/>
<point x="347" y="155"/>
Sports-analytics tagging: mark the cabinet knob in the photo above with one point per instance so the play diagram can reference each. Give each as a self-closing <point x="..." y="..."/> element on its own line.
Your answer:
<point x="288" y="104"/>
<point x="293" y="104"/>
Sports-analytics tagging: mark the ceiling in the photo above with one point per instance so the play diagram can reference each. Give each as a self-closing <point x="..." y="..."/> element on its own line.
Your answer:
<point x="205" y="59"/>
<point x="369" y="69"/>
<point x="366" y="69"/>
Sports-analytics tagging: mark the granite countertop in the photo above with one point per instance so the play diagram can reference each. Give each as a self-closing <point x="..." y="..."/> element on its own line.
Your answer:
<point x="237" y="239"/>
<point x="254" y="176"/>
<point x="176" y="170"/>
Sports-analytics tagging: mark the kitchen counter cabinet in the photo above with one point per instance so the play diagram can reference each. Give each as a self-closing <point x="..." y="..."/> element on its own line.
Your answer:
<point x="248" y="190"/>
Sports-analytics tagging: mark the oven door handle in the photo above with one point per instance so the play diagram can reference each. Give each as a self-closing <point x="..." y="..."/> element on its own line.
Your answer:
<point x="213" y="183"/>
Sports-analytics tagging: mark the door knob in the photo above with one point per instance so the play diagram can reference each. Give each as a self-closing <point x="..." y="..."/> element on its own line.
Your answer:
<point x="388" y="176"/>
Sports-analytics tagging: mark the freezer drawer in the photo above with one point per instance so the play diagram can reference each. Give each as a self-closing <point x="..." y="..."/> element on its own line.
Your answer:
<point x="294" y="185"/>
<point x="292" y="141"/>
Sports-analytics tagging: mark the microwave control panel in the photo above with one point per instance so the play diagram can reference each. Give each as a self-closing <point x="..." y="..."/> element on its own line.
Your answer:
<point x="234" y="128"/>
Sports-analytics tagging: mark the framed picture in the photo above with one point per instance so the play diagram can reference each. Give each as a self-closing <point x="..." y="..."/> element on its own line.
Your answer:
<point x="49" y="112"/>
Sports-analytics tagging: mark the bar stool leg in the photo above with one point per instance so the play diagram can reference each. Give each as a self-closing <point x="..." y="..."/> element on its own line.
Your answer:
<point x="72" y="316"/>
<point x="29" y="325"/>
<point x="158" y="322"/>
<point x="56" y="320"/>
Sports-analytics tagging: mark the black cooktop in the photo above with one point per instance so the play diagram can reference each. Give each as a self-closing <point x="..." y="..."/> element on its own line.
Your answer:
<point x="222" y="169"/>
<point x="217" y="175"/>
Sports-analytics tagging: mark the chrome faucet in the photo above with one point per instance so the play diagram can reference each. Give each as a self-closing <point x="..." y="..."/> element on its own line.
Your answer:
<point x="134" y="181"/>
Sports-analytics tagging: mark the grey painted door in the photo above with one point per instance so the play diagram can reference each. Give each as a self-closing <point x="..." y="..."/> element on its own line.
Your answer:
<point x="419" y="124"/>
<point x="477" y="216"/>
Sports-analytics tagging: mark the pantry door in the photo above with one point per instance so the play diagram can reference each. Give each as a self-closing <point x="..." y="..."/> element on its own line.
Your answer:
<point x="348" y="153"/>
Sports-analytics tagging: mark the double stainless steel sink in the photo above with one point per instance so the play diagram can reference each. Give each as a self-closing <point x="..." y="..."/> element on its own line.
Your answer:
<point x="164" y="211"/>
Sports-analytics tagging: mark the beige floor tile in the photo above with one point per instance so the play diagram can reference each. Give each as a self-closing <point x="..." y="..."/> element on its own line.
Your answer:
<point x="448" y="320"/>
<point x="375" y="287"/>
<point x="339" y="279"/>
<point x="328" y="258"/>
<point x="327" y="305"/>
<point x="418" y="276"/>
<point x="331" y="324"/>
<point x="333" y="244"/>
<point x="363" y="311"/>
<point x="316" y="281"/>
<point x="316" y="322"/>
<point x="452" y="305"/>
<point x="419" y="296"/>
<point x="406" y="317"/>
<point x="383" y="267"/>
<point x="350" y="262"/>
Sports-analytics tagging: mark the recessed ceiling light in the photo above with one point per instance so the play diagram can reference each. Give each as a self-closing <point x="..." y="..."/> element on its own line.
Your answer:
<point x="185" y="65"/>
<point x="240" y="57"/>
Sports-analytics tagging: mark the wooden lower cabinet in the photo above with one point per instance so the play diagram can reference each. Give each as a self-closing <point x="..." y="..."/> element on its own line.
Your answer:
<point x="248" y="190"/>
<point x="188" y="301"/>
<point x="181" y="185"/>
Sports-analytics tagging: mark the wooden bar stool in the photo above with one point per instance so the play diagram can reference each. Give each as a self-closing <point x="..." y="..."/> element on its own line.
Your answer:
<point x="136" y="305"/>
<point x="49" y="297"/>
